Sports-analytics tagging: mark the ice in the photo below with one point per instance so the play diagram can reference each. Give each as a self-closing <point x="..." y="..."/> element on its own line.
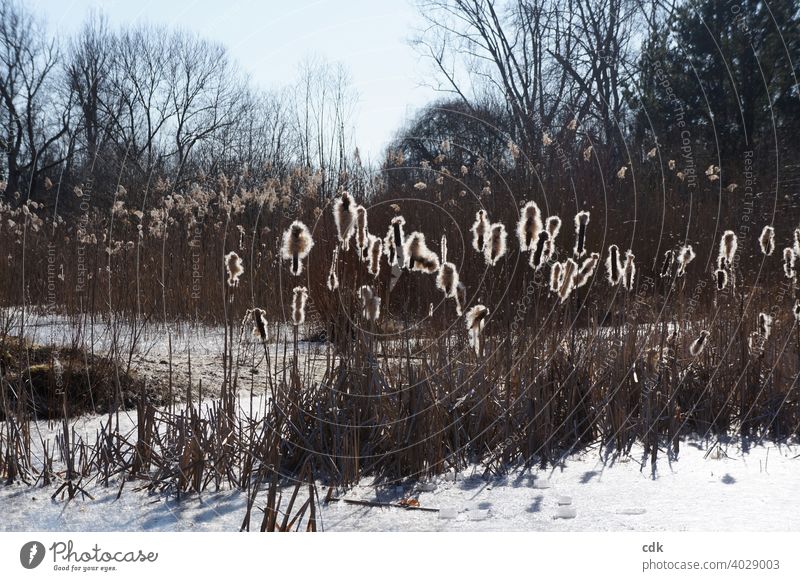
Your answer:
<point x="566" y="512"/>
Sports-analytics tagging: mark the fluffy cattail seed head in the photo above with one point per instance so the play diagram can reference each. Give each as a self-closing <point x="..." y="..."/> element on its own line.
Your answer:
<point x="480" y="230"/>
<point x="728" y="246"/>
<point x="375" y="251"/>
<point x="587" y="269"/>
<point x="495" y="247"/>
<point x="344" y="218"/>
<point x="362" y="232"/>
<point x="476" y="320"/>
<point x="555" y="277"/>
<point x="418" y="256"/>
<point x="699" y="344"/>
<point x="721" y="278"/>
<point x="613" y="266"/>
<point x="789" y="258"/>
<point x="299" y="305"/>
<point x="629" y="271"/>
<point x="529" y="226"/>
<point x="234" y="268"/>
<point x="666" y="266"/>
<point x="685" y="255"/>
<point x="767" y="240"/>
<point x="581" y="222"/>
<point x="296" y="245"/>
<point x="537" y="256"/>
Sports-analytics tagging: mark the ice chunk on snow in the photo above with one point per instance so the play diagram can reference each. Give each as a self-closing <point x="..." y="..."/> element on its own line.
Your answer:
<point x="566" y="512"/>
<point x="564" y="500"/>
<point x="541" y="484"/>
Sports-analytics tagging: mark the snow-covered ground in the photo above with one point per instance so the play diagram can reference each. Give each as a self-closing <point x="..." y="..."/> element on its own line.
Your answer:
<point x="728" y="490"/>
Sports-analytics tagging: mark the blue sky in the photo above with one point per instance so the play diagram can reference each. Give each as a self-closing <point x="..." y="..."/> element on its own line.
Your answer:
<point x="271" y="38"/>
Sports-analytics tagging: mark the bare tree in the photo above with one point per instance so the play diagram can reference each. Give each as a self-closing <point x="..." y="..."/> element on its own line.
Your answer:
<point x="33" y="119"/>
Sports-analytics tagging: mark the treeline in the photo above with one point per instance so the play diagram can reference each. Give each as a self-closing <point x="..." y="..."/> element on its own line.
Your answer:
<point x="145" y="106"/>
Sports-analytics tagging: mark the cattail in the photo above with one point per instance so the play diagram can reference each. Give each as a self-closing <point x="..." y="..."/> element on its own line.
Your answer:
<point x="613" y="266"/>
<point x="587" y="269"/>
<point x="398" y="238"/>
<point x="372" y="311"/>
<point x="553" y="226"/>
<point x="721" y="278"/>
<point x="568" y="274"/>
<point x="727" y="247"/>
<point x="447" y="279"/>
<point x="344" y="217"/>
<point x="333" y="278"/>
<point x="430" y="310"/>
<point x="362" y="232"/>
<point x="234" y="267"/>
<point x="581" y="221"/>
<point x="375" y="251"/>
<point x="476" y="320"/>
<point x="296" y="245"/>
<point x="666" y="266"/>
<point x="699" y="344"/>
<point x="495" y="248"/>
<point x="461" y="298"/>
<point x="789" y="258"/>
<point x="796" y="311"/>
<point x="299" y="305"/>
<point x="629" y="271"/>
<point x="536" y="259"/>
<point x="767" y="240"/>
<point x="685" y="255"/>
<point x="365" y="294"/>
<point x="764" y="325"/>
<point x="418" y="256"/>
<point x="480" y="230"/>
<point x="796" y="245"/>
<point x="555" y="277"/>
<point x="389" y="249"/>
<point x="259" y="318"/>
<point x="529" y="226"/>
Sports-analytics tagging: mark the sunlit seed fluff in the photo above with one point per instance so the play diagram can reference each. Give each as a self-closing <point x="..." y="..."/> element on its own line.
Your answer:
<point x="365" y="293"/>
<point x="476" y="320"/>
<point x="796" y="311"/>
<point x="398" y="239"/>
<point x="666" y="266"/>
<point x="789" y="258"/>
<point x="555" y="277"/>
<point x="344" y="218"/>
<point x="333" y="278"/>
<point x="389" y="249"/>
<point x="569" y="274"/>
<point x="796" y="243"/>
<point x="581" y="222"/>
<point x="461" y="298"/>
<point x="685" y="255"/>
<point x="767" y="240"/>
<point x="537" y="256"/>
<point x="699" y="344"/>
<point x="418" y="256"/>
<point x="443" y="253"/>
<point x="296" y="245"/>
<point x="447" y="280"/>
<point x="480" y="230"/>
<point x="613" y="266"/>
<point x="764" y="325"/>
<point x="529" y="226"/>
<point x="629" y="271"/>
<point x="587" y="270"/>
<point x="495" y="247"/>
<point x="234" y="268"/>
<point x="299" y="305"/>
<point x="375" y="251"/>
<point x="373" y="309"/>
<point x="728" y="246"/>
<point x="258" y="318"/>
<point x="362" y="231"/>
<point x="553" y="226"/>
<point x="721" y="278"/>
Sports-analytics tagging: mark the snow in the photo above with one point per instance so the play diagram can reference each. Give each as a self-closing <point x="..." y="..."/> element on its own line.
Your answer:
<point x="729" y="490"/>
